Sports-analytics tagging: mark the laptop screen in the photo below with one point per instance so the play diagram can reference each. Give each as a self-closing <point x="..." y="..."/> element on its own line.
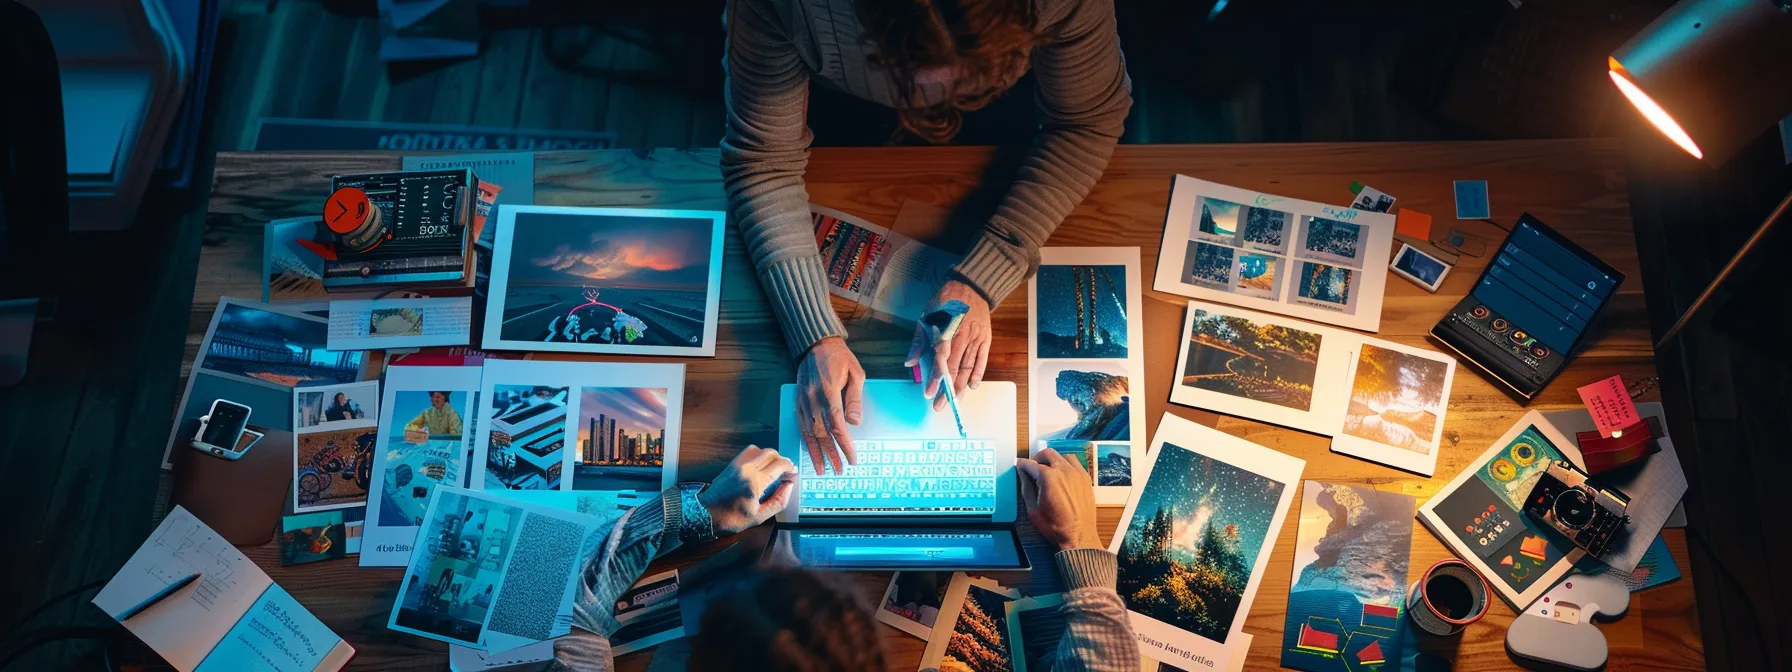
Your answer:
<point x="843" y="548"/>
<point x="906" y="478"/>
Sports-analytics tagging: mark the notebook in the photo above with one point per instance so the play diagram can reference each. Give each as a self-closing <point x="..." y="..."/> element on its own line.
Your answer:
<point x="232" y="618"/>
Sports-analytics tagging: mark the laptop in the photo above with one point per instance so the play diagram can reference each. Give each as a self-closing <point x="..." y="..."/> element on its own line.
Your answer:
<point x="922" y="497"/>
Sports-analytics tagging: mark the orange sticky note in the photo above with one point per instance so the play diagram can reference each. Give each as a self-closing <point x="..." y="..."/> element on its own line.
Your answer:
<point x="1410" y="222"/>
<point x="1610" y="405"/>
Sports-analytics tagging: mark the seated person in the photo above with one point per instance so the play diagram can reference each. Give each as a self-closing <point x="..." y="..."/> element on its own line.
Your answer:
<point x="797" y="619"/>
<point x="439" y="418"/>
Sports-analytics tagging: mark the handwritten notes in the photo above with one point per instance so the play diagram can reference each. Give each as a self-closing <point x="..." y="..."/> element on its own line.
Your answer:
<point x="1610" y="405"/>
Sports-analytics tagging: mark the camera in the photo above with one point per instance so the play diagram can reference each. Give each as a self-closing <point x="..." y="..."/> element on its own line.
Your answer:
<point x="1589" y="517"/>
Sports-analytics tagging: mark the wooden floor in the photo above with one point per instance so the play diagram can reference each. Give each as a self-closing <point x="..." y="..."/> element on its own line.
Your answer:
<point x="80" y="438"/>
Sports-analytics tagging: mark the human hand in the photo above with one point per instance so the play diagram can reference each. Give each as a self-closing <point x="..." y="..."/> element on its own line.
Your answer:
<point x="830" y="386"/>
<point x="1060" y="500"/>
<point x="964" y="356"/>
<point x="754" y="487"/>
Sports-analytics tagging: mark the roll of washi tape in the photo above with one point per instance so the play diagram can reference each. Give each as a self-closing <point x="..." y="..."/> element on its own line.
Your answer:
<point x="354" y="220"/>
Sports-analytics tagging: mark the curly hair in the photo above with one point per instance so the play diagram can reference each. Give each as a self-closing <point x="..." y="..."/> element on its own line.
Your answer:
<point x="789" y="620"/>
<point x="984" y="43"/>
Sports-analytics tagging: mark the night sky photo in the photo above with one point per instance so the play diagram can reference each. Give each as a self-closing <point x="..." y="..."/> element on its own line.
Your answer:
<point x="1194" y="539"/>
<point x="1082" y="311"/>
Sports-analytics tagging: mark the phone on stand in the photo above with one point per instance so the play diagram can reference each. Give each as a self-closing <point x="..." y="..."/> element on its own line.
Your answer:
<point x="222" y="429"/>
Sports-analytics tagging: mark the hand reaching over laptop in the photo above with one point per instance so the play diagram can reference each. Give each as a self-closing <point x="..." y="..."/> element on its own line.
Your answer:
<point x="1060" y="500"/>
<point x="754" y="487"/>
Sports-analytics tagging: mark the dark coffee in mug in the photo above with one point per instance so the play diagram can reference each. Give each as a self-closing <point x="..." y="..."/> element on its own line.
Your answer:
<point x="1447" y="598"/>
<point x="1450" y="596"/>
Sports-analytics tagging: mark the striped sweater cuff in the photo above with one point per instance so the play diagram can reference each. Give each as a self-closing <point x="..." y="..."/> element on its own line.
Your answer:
<point x="798" y="291"/>
<point x="1087" y="568"/>
<point x="993" y="268"/>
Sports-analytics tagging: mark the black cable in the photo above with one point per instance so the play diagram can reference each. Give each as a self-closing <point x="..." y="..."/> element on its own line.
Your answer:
<point x="54" y="635"/>
<point x="14" y="627"/>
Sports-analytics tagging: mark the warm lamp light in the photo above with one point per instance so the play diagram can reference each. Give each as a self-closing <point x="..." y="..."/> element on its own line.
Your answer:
<point x="1712" y="75"/>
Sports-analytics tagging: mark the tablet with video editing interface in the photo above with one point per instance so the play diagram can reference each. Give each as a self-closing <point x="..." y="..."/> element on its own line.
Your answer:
<point x="861" y="548"/>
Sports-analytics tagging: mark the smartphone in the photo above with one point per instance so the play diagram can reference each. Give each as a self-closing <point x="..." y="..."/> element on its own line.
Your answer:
<point x="221" y="430"/>
<point x="1423" y="269"/>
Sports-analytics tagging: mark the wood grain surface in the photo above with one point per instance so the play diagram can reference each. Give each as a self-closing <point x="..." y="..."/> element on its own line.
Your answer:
<point x="1576" y="186"/>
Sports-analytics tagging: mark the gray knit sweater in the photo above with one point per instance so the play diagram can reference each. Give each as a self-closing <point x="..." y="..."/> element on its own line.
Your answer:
<point x="775" y="47"/>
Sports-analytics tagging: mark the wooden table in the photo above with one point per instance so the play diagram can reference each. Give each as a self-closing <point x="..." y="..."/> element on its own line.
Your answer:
<point x="1576" y="186"/>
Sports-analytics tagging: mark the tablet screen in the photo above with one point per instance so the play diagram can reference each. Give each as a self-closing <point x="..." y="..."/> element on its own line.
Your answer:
<point x="1544" y="287"/>
<point x="930" y="548"/>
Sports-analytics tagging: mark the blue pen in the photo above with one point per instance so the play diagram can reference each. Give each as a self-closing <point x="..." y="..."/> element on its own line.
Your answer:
<point x="942" y="325"/>
<point x="158" y="597"/>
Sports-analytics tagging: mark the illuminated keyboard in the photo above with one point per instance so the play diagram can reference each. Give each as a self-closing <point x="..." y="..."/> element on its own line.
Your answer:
<point x="945" y="476"/>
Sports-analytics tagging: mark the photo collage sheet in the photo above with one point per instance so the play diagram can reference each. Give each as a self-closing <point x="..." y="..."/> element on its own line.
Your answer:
<point x="1378" y="400"/>
<point x="1351" y="555"/>
<point x="254" y="354"/>
<point x="1309" y="260"/>
<point x="492" y="574"/>
<point x="335" y="428"/>
<point x="620" y="281"/>
<point x="889" y="273"/>
<point x="423" y="438"/>
<point x="581" y="426"/>
<point x="1195" y="538"/>
<point x="1086" y="364"/>
<point x="1480" y="514"/>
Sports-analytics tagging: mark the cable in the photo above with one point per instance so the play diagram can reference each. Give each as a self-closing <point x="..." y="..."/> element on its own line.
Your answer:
<point x="14" y="627"/>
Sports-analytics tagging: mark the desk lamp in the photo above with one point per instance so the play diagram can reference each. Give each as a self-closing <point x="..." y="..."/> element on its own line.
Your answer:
<point x="1711" y="75"/>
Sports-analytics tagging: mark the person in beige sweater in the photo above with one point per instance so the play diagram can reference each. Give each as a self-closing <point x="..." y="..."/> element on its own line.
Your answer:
<point x="929" y="60"/>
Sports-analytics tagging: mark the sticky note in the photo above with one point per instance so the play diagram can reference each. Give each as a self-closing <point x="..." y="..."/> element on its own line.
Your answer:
<point x="1610" y="405"/>
<point x="1471" y="199"/>
<point x="1410" y="222"/>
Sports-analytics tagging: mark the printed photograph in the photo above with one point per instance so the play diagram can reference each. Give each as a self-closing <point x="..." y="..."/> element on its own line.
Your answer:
<point x="315" y="537"/>
<point x="1257" y="275"/>
<point x="455" y="570"/>
<point x="1396" y="399"/>
<point x="334" y="468"/>
<point x="277" y="348"/>
<point x="1514" y="471"/>
<point x="395" y="322"/>
<point x="980" y="637"/>
<point x="1193" y="541"/>
<point x="609" y="280"/>
<point x="422" y="452"/>
<point x="851" y="252"/>
<point x="1081" y="311"/>
<point x="1113" y="464"/>
<point x="1266" y="230"/>
<point x="336" y="404"/>
<point x="1334" y="241"/>
<point x="622" y="439"/>
<point x="1209" y="266"/>
<point x="1081" y="452"/>
<point x="1417" y="265"/>
<point x="1089" y="402"/>
<point x="1263" y="362"/>
<point x="1216" y="220"/>
<point x="649" y="614"/>
<point x="527" y="438"/>
<point x="1327" y="284"/>
<point x="916" y="597"/>
<point x="1350" y="570"/>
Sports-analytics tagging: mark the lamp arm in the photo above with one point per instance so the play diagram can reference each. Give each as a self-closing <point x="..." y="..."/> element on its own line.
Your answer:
<point x="1760" y="233"/>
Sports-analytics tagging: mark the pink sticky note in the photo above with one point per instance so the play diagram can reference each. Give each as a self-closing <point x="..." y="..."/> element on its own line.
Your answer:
<point x="1610" y="405"/>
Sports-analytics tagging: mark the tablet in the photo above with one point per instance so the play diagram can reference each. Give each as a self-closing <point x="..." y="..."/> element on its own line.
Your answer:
<point x="933" y="548"/>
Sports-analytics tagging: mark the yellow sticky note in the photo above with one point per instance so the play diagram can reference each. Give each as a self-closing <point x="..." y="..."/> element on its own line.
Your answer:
<point x="1410" y="222"/>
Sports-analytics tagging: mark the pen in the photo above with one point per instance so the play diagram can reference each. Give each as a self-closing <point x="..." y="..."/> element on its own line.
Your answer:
<point x="942" y="326"/>
<point x="952" y="401"/>
<point x="158" y="597"/>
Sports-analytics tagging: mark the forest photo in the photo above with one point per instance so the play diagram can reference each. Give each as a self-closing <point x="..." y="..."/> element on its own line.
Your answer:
<point x="1397" y="399"/>
<point x="979" y="641"/>
<point x="1265" y="362"/>
<point x="1193" y="540"/>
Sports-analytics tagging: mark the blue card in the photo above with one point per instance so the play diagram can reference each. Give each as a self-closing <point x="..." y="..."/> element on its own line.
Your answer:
<point x="1471" y="199"/>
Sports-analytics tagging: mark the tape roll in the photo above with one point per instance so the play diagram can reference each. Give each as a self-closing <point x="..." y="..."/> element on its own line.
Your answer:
<point x="354" y="219"/>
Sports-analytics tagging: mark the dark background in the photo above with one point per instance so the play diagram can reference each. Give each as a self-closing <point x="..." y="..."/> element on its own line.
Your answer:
<point x="81" y="437"/>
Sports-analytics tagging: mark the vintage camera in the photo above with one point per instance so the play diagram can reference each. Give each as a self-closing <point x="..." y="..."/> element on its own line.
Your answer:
<point x="1590" y="517"/>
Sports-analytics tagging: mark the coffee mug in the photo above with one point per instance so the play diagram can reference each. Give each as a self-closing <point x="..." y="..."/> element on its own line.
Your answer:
<point x="1448" y="598"/>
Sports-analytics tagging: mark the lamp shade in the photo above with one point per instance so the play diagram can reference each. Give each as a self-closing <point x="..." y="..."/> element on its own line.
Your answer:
<point x="1711" y="74"/>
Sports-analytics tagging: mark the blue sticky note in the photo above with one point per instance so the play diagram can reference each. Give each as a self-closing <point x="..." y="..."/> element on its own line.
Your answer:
<point x="1471" y="199"/>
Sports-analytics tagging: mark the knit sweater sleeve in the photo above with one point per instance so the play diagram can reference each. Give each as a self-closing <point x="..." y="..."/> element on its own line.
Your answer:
<point x="1083" y="98"/>
<point x="765" y="149"/>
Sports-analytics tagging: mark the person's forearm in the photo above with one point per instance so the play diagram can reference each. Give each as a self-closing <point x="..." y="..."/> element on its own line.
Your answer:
<point x="1084" y="96"/>
<point x="1098" y="635"/>
<point x="643" y="533"/>
<point x="765" y="149"/>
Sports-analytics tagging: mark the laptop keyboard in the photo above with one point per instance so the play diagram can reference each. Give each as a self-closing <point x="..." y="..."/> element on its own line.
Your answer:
<point x="905" y="476"/>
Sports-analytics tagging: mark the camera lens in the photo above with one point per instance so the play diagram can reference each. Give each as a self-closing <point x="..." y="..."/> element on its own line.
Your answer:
<point x="1573" y="509"/>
